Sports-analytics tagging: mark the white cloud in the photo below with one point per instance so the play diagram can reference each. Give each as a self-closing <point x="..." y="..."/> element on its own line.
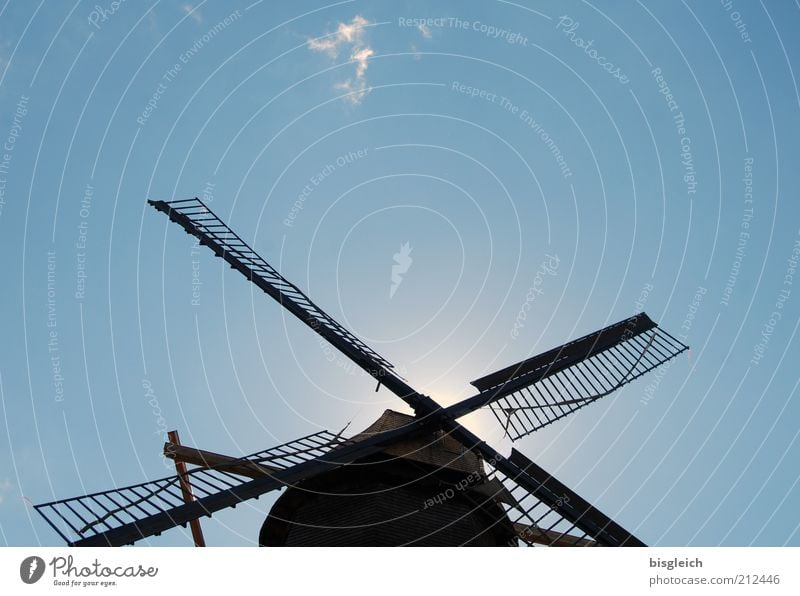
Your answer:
<point x="351" y="33"/>
<point x="356" y="90"/>
<point x="361" y="55"/>
<point x="348" y="36"/>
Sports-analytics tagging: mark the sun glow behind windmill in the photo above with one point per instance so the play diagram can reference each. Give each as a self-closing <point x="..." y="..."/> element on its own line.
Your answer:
<point x="406" y="480"/>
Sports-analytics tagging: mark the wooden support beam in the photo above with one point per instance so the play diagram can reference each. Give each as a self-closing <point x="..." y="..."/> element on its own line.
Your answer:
<point x="186" y="489"/>
<point x="550" y="537"/>
<point x="209" y="459"/>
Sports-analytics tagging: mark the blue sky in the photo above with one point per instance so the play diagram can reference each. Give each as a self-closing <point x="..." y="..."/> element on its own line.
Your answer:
<point x="646" y="150"/>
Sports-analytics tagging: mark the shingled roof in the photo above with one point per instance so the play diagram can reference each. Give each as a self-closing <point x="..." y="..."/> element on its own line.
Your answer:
<point x="436" y="449"/>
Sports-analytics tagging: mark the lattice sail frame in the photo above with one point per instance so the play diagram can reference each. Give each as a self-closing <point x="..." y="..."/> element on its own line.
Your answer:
<point x="537" y="524"/>
<point x="546" y="512"/>
<point x="89" y="516"/>
<point x="549" y="513"/>
<point x="197" y="219"/>
<point x="537" y="392"/>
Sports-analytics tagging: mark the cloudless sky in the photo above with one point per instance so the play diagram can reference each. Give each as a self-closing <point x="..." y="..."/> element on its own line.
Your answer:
<point x="651" y="169"/>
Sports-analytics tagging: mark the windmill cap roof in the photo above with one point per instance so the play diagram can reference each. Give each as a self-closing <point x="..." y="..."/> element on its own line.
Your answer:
<point x="436" y="448"/>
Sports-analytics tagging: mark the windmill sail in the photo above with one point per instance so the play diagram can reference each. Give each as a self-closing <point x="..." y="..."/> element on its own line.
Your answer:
<point x="540" y="390"/>
<point x="124" y="515"/>
<point x="542" y="502"/>
<point x="553" y="514"/>
<point x="199" y="221"/>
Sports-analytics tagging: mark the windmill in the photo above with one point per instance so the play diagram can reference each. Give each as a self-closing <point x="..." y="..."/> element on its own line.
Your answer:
<point x="421" y="479"/>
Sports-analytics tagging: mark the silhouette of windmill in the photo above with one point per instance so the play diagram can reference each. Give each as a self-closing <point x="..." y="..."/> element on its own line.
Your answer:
<point x="406" y="480"/>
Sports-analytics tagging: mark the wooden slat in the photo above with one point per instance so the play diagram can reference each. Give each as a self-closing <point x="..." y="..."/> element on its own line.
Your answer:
<point x="209" y="459"/>
<point x="186" y="490"/>
<point x="549" y="537"/>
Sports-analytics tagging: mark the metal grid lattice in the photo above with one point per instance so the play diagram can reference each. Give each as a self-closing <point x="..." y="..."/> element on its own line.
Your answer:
<point x="89" y="516"/>
<point x="536" y="523"/>
<point x="197" y="219"/>
<point x="544" y="511"/>
<point x="535" y="393"/>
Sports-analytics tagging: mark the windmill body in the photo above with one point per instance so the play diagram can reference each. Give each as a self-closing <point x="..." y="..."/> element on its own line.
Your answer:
<point x="427" y="490"/>
<point x="420" y="480"/>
